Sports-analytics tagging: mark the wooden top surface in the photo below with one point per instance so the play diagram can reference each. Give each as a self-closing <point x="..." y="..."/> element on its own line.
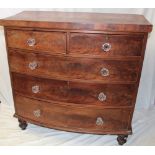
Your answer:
<point x="79" y="21"/>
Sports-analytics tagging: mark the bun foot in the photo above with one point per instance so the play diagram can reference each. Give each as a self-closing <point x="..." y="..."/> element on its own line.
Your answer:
<point x="22" y="124"/>
<point x="122" y="139"/>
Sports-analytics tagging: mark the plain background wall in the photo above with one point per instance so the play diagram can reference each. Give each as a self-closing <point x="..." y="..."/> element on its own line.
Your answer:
<point x="146" y="93"/>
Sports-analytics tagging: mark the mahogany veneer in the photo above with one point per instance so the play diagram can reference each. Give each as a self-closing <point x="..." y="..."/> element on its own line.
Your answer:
<point x="77" y="72"/>
<point x="45" y="41"/>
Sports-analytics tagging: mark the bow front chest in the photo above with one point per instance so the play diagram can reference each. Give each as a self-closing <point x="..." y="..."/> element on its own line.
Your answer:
<point x="77" y="72"/>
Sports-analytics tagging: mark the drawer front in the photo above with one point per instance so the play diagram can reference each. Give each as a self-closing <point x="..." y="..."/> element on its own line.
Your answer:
<point x="52" y="42"/>
<point x="106" y="45"/>
<point x="67" y="68"/>
<point x="79" y="119"/>
<point x="74" y="92"/>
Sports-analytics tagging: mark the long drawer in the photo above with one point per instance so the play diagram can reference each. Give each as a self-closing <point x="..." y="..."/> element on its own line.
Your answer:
<point x="79" y="119"/>
<point x="51" y="42"/>
<point x="74" y="92"/>
<point x="71" y="68"/>
<point x="106" y="44"/>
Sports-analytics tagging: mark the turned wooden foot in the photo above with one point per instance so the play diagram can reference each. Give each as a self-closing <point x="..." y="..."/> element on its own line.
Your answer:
<point x="22" y="124"/>
<point x="122" y="139"/>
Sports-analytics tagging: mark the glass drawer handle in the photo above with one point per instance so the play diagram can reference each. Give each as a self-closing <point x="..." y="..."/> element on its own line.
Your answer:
<point x="106" y="47"/>
<point x="35" y="89"/>
<point x="102" y="97"/>
<point x="33" y="65"/>
<point x="99" y="121"/>
<point x="104" y="72"/>
<point x="31" y="42"/>
<point x="37" y="113"/>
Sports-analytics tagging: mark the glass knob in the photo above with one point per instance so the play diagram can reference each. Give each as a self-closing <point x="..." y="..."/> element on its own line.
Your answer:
<point x="104" y="72"/>
<point x="102" y="97"/>
<point x="37" y="113"/>
<point x="99" y="121"/>
<point x="106" y="47"/>
<point x="31" y="42"/>
<point x="33" y="65"/>
<point x="35" y="89"/>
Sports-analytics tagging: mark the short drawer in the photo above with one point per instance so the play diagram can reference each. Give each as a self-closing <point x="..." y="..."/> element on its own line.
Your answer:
<point x="72" y="118"/>
<point x="52" y="42"/>
<point x="105" y="44"/>
<point x="69" y="68"/>
<point x="74" y="92"/>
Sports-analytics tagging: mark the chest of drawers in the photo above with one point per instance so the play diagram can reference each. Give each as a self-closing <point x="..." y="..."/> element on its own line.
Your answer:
<point x="77" y="72"/>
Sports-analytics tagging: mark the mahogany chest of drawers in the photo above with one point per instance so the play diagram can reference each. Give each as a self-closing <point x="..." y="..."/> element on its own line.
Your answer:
<point x="77" y="72"/>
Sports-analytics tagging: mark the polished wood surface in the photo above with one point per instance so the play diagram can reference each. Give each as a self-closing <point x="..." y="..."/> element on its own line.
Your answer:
<point x="55" y="115"/>
<point x="73" y="92"/>
<point x="79" y="21"/>
<point x="121" y="45"/>
<point x="52" y="42"/>
<point x="69" y="68"/>
<point x="78" y="72"/>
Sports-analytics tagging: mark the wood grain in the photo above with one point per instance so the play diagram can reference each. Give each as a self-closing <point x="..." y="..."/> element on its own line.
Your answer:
<point x="69" y="57"/>
<point x="73" y="92"/>
<point x="79" y="21"/>
<point x="121" y="45"/>
<point x="52" y="42"/>
<point x="71" y="117"/>
<point x="74" y="68"/>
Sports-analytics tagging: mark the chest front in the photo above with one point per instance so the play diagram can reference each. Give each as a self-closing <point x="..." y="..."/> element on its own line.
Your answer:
<point x="75" y="77"/>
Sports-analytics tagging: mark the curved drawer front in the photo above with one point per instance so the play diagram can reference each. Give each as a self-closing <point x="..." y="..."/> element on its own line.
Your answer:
<point x="106" y="45"/>
<point x="52" y="42"/>
<point x="69" y="68"/>
<point x="73" y="92"/>
<point x="79" y="119"/>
